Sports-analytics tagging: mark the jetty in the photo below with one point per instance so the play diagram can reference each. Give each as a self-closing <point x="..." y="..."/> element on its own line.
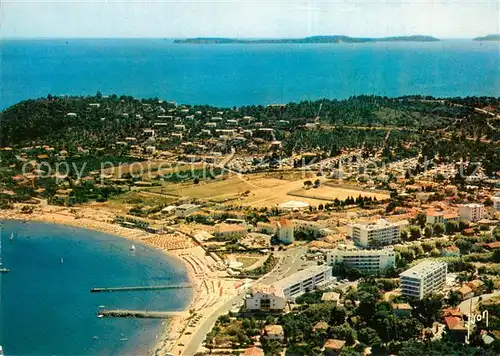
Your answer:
<point x="146" y="314"/>
<point x="139" y="288"/>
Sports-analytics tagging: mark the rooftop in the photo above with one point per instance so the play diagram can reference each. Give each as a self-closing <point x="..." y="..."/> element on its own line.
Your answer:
<point x="422" y="269"/>
<point x="301" y="275"/>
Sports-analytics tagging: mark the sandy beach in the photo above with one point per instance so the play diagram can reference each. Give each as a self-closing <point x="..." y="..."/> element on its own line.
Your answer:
<point x="211" y="288"/>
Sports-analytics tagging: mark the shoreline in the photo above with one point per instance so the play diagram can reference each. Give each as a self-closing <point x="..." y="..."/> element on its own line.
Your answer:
<point x="172" y="325"/>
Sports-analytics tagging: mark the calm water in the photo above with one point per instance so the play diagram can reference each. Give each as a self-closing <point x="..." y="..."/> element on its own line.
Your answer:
<point x="46" y="307"/>
<point x="228" y="75"/>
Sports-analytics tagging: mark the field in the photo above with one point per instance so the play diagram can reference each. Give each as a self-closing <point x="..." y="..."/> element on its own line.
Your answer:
<point x="124" y="202"/>
<point x="260" y="190"/>
<point x="150" y="169"/>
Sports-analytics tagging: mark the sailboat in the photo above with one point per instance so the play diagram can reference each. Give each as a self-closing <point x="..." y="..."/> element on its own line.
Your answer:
<point x="11" y="236"/>
<point x="132" y="248"/>
<point x="2" y="269"/>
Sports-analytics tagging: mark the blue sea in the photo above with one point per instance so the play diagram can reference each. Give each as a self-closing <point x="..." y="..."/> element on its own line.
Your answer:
<point x="46" y="307"/>
<point x="239" y="74"/>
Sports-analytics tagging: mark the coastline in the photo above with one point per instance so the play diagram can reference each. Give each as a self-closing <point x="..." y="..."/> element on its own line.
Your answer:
<point x="62" y="216"/>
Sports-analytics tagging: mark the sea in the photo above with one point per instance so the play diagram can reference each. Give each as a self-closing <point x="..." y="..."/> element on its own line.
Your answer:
<point x="46" y="307"/>
<point x="245" y="74"/>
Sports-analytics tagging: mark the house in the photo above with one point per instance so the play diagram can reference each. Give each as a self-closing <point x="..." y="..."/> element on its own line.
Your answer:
<point x="186" y="209"/>
<point x="333" y="347"/>
<point x="331" y="297"/>
<point x="402" y="309"/>
<point x="273" y="332"/>
<point x="451" y="251"/>
<point x="320" y="325"/>
<point x="466" y="292"/>
<point x="493" y="245"/>
<point x="451" y="312"/>
<point x="455" y="329"/>
<point x="476" y="285"/>
<point x="253" y="351"/>
<point x="285" y="231"/>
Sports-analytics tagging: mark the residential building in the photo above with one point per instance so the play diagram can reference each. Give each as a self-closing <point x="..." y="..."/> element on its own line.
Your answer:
<point x="402" y="309"/>
<point x="253" y="351"/>
<point x="231" y="230"/>
<point x="186" y="209"/>
<point x="439" y="217"/>
<point x="451" y="251"/>
<point x="455" y="329"/>
<point x="425" y="278"/>
<point x="264" y="298"/>
<point x="331" y="297"/>
<point x="471" y="212"/>
<point x="285" y="231"/>
<point x="367" y="261"/>
<point x="267" y="228"/>
<point x="496" y="202"/>
<point x="303" y="281"/>
<point x="465" y="292"/>
<point x="333" y="347"/>
<point x="273" y="332"/>
<point x="308" y="227"/>
<point x="378" y="233"/>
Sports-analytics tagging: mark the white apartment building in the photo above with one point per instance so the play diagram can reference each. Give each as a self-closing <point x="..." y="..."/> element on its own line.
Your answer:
<point x="425" y="278"/>
<point x="310" y="227"/>
<point x="303" y="281"/>
<point x="379" y="233"/>
<point x="264" y="298"/>
<point x="285" y="231"/>
<point x="471" y="212"/>
<point x="367" y="261"/>
<point x="496" y="202"/>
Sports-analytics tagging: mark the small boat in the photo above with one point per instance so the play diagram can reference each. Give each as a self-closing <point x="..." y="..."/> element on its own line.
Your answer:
<point x="123" y="339"/>
<point x="132" y="248"/>
<point x="1" y="351"/>
<point x="62" y="260"/>
<point x="11" y="236"/>
<point x="4" y="270"/>
<point x="100" y="315"/>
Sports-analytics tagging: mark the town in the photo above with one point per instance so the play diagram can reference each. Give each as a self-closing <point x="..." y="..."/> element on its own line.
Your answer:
<point x="366" y="226"/>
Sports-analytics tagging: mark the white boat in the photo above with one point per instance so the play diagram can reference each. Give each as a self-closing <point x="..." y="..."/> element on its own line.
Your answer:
<point x="1" y="351"/>
<point x="132" y="248"/>
<point x="123" y="339"/>
<point x="12" y="236"/>
<point x="100" y="315"/>
<point x="62" y="260"/>
<point x="2" y="269"/>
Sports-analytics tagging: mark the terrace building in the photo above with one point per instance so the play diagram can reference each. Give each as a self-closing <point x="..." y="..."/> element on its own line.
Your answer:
<point x="367" y="261"/>
<point x="439" y="217"/>
<point x="303" y="281"/>
<point x="379" y="233"/>
<point x="496" y="202"/>
<point x="471" y="212"/>
<point x="264" y="298"/>
<point x="425" y="278"/>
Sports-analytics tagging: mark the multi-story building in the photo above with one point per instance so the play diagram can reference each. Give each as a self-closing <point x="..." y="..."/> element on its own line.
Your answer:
<point x="425" y="278"/>
<point x="367" y="261"/>
<point x="471" y="212"/>
<point x="303" y="281"/>
<point x="264" y="298"/>
<point x="374" y="234"/>
<point x="439" y="217"/>
<point x="186" y="209"/>
<point x="285" y="231"/>
<point x="496" y="202"/>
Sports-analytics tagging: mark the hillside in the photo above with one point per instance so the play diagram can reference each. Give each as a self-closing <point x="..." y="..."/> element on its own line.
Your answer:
<point x="495" y="37"/>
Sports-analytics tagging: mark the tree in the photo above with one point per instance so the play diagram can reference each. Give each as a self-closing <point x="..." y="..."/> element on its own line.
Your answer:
<point x="451" y="227"/>
<point x="421" y="219"/>
<point x="428" y="309"/>
<point x="308" y="184"/>
<point x="271" y="347"/>
<point x="454" y="298"/>
<point x="368" y="336"/>
<point x="415" y="232"/>
<point x="438" y="229"/>
<point x="344" y="332"/>
<point x="428" y="231"/>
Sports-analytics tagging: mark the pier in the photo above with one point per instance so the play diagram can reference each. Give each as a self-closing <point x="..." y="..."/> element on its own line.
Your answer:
<point x="139" y="288"/>
<point x="146" y="314"/>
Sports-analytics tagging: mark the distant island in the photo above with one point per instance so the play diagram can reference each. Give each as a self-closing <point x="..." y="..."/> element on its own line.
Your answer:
<point x="312" y="39"/>
<point x="495" y="37"/>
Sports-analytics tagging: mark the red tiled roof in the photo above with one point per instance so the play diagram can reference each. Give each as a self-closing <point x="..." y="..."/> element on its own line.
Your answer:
<point x="253" y="351"/>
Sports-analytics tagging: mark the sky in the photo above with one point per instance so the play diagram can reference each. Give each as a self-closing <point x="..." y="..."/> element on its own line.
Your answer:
<point x="247" y="19"/>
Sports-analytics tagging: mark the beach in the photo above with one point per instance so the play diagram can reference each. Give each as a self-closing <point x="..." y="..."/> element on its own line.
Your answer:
<point x="211" y="287"/>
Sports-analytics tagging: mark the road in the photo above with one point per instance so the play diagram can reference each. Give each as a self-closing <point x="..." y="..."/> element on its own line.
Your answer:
<point x="465" y="306"/>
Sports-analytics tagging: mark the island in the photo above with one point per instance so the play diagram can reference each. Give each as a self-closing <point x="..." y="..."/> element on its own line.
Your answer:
<point x="311" y="39"/>
<point x="494" y="37"/>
